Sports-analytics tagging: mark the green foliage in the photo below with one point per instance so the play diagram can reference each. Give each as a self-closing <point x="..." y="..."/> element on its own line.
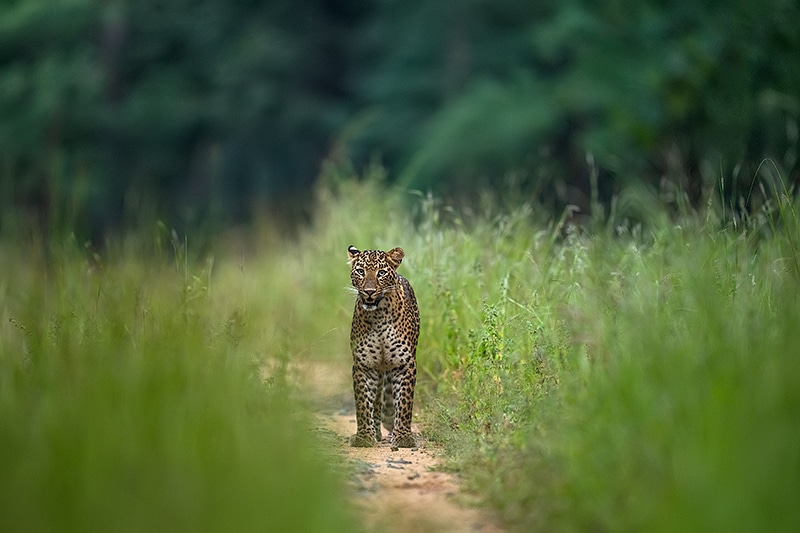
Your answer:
<point x="641" y="375"/>
<point x="211" y="111"/>
<point x="686" y="92"/>
<point x="138" y="395"/>
<point x="201" y="108"/>
<point x="685" y="416"/>
<point x="638" y="374"/>
<point x="626" y="379"/>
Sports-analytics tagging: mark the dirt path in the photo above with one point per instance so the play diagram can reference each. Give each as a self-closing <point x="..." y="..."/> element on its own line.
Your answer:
<point x="396" y="490"/>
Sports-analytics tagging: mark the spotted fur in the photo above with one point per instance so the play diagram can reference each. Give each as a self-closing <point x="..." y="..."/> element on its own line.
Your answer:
<point x="383" y="338"/>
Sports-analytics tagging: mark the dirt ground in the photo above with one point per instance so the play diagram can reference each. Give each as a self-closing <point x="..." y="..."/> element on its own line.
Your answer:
<point x="395" y="490"/>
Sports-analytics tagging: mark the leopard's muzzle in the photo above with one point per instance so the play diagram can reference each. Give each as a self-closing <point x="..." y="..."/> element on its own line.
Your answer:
<point x="369" y="300"/>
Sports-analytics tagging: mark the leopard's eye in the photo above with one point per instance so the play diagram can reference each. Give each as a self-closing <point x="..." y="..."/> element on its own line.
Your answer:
<point x="382" y="273"/>
<point x="359" y="272"/>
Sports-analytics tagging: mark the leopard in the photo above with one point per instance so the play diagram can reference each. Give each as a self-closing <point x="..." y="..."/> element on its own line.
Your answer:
<point x="383" y="339"/>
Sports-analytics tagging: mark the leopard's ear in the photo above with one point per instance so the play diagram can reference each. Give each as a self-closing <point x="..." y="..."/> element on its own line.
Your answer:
<point x="395" y="257"/>
<point x="352" y="253"/>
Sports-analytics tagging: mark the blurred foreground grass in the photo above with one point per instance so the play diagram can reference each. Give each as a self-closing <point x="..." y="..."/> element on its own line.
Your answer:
<point x="133" y="398"/>
<point x="640" y="374"/>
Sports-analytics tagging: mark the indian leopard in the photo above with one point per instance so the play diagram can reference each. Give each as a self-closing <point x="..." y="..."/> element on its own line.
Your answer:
<point x="383" y="338"/>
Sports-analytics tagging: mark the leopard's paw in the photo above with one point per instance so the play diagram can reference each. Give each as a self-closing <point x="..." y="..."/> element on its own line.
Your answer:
<point x="360" y="440"/>
<point x="404" y="441"/>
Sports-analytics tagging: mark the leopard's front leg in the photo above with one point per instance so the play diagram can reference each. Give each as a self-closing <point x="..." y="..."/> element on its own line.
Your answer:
<point x="404" y="379"/>
<point x="365" y="385"/>
<point x="379" y="405"/>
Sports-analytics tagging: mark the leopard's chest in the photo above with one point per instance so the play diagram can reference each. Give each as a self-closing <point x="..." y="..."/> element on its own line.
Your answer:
<point x="378" y="341"/>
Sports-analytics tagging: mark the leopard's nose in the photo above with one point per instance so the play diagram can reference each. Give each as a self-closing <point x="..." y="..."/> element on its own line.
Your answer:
<point x="369" y="292"/>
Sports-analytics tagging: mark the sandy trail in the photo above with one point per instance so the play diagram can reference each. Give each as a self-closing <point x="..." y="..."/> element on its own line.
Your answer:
<point x="394" y="490"/>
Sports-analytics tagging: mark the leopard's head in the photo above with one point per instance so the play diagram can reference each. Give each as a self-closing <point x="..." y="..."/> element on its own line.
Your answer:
<point x="374" y="273"/>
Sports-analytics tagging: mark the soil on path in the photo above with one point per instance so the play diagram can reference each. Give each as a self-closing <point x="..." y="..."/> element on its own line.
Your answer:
<point x="394" y="489"/>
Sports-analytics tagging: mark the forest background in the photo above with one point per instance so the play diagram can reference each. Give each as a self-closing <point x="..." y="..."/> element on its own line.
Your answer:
<point x="207" y="113"/>
<point x="598" y="206"/>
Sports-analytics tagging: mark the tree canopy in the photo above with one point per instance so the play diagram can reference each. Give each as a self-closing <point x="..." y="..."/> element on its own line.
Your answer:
<point x="215" y="110"/>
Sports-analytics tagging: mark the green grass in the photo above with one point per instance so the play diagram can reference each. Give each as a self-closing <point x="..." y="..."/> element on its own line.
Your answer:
<point x="640" y="381"/>
<point x="633" y="376"/>
<point x="630" y="376"/>
<point x="132" y="398"/>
